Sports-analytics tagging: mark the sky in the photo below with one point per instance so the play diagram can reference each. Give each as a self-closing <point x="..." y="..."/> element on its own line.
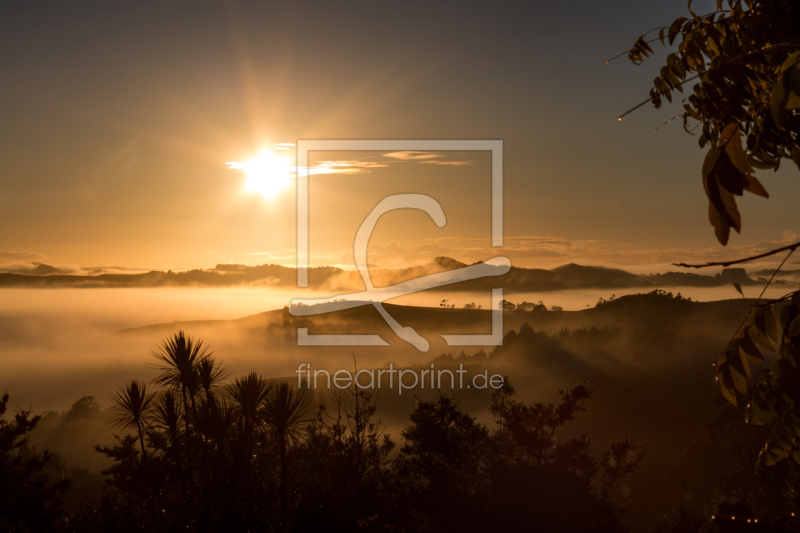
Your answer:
<point x="119" y="121"/>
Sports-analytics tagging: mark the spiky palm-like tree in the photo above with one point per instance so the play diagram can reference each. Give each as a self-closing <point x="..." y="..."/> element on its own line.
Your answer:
<point x="210" y="374"/>
<point x="131" y="408"/>
<point x="168" y="416"/>
<point x="286" y="413"/>
<point x="248" y="394"/>
<point x="215" y="421"/>
<point x="179" y="357"/>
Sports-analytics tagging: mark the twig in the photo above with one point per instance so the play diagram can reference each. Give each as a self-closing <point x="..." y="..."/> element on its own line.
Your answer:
<point x="648" y="42"/>
<point x="670" y="120"/>
<point x="775" y="273"/>
<point x="791" y="247"/>
<point x="776" y="300"/>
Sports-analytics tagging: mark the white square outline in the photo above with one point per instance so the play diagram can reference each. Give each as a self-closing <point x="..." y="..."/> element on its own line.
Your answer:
<point x="307" y="145"/>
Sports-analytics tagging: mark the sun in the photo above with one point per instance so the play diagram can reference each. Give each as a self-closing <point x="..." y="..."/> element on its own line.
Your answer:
<point x="267" y="174"/>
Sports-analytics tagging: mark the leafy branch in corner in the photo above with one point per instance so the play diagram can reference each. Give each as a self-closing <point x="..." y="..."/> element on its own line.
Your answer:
<point x="746" y="58"/>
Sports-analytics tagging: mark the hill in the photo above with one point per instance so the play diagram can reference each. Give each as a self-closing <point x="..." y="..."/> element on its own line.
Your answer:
<point x="517" y="279"/>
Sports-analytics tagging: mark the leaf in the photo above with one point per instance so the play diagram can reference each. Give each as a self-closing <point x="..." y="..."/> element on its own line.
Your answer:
<point x="722" y="229"/>
<point x="732" y="139"/>
<point x="727" y="393"/>
<point x="780" y="97"/>
<point x="675" y="29"/>
<point x="794" y="328"/>
<point x="762" y="165"/>
<point x="761" y="340"/>
<point x="760" y="413"/>
<point x="777" y="368"/>
<point x="738" y="288"/>
<point x="723" y="378"/>
<point x="710" y="160"/>
<point x="791" y="83"/>
<point x="779" y="451"/>
<point x="723" y="183"/>
<point x="790" y="61"/>
<point x="729" y="176"/>
<point x="786" y="316"/>
<point x="739" y="380"/>
<point x="722" y="211"/>
<point x="754" y="186"/>
<point x="745" y="364"/>
<point x="765" y="321"/>
<point x="796" y="155"/>
<point x="771" y="327"/>
<point x="747" y="347"/>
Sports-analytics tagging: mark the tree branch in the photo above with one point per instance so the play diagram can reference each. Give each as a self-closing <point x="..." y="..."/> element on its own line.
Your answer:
<point x="791" y="247"/>
<point x="706" y="71"/>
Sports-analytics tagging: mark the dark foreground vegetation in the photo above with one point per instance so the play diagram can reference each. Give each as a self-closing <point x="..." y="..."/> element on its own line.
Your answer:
<point x="198" y="450"/>
<point x="198" y="454"/>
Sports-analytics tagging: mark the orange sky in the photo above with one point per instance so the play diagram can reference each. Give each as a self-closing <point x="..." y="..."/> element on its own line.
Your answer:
<point x="118" y="121"/>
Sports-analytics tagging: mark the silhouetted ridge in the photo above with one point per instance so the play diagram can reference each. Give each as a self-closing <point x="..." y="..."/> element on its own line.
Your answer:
<point x="569" y="276"/>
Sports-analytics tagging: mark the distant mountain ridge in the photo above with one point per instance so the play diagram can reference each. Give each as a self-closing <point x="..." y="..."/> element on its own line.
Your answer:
<point x="518" y="279"/>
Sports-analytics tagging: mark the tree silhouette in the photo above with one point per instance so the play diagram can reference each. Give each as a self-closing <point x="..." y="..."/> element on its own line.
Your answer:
<point x="131" y="407"/>
<point x="30" y="498"/>
<point x="286" y="414"/>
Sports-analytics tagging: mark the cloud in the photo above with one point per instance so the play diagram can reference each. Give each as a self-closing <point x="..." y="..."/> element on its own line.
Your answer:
<point x="536" y="251"/>
<point x="412" y="155"/>
<point x="344" y="167"/>
<point x="37" y="269"/>
<point x="96" y="270"/>
<point x="450" y="163"/>
<point x="17" y="256"/>
<point x="364" y="165"/>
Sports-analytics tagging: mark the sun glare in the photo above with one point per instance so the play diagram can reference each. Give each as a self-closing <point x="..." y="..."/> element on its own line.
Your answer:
<point x="267" y="174"/>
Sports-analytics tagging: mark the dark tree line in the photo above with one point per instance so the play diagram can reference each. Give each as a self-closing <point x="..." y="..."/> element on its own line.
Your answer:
<point x="198" y="452"/>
